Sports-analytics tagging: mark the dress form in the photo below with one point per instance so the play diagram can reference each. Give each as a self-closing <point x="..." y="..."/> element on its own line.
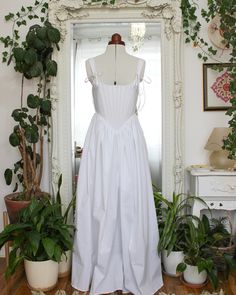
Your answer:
<point x="115" y="65"/>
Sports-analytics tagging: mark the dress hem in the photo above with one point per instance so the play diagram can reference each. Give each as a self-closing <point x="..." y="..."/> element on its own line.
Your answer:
<point x="113" y="291"/>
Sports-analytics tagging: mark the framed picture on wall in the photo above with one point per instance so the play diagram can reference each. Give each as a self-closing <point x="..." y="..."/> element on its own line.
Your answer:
<point x="216" y="94"/>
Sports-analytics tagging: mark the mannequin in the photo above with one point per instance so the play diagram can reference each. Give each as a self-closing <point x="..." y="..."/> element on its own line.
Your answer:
<point x="116" y="237"/>
<point x="116" y="66"/>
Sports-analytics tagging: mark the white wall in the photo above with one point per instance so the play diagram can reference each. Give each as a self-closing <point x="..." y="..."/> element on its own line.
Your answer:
<point x="198" y="124"/>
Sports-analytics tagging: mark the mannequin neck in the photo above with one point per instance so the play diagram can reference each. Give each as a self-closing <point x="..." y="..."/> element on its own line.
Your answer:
<point x="120" y="50"/>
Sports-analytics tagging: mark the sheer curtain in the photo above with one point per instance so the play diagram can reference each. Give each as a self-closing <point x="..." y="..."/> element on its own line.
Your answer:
<point x="149" y="102"/>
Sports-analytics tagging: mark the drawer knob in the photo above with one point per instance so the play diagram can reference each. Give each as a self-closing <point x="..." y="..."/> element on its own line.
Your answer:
<point x="211" y="204"/>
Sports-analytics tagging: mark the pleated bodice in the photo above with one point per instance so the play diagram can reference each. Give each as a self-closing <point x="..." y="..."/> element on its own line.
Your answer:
<point x="115" y="103"/>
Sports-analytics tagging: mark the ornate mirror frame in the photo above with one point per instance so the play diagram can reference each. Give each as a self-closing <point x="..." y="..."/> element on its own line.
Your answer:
<point x="62" y="14"/>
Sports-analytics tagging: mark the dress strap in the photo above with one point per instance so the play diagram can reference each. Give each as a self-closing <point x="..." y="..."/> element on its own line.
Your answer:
<point x="92" y="65"/>
<point x="93" y="77"/>
<point x="139" y="69"/>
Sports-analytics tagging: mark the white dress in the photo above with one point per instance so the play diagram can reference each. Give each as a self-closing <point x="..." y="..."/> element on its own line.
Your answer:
<point x="115" y="245"/>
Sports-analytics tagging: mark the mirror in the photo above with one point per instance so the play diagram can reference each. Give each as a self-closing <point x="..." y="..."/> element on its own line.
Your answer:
<point x="142" y="40"/>
<point x="86" y="31"/>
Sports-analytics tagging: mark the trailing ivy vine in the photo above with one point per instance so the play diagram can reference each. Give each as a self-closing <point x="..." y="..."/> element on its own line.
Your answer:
<point x="38" y="11"/>
<point x="226" y="10"/>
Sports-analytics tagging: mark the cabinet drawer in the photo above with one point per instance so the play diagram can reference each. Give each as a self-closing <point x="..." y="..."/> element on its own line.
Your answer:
<point x="216" y="186"/>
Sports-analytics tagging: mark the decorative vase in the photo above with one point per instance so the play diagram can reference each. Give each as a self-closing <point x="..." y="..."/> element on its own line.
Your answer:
<point x="65" y="265"/>
<point x="192" y="276"/>
<point x="41" y="275"/>
<point x="14" y="206"/>
<point x="171" y="261"/>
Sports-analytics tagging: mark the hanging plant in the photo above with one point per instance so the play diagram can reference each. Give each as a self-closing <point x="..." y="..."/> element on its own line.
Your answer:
<point x="225" y="11"/>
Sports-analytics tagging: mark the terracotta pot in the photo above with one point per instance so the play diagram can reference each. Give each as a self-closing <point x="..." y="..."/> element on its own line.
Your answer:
<point x="41" y="275"/>
<point x="14" y="207"/>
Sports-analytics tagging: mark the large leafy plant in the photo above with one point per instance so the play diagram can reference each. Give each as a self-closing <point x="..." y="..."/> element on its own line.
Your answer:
<point x="41" y="234"/>
<point x="32" y="58"/>
<point x="172" y="217"/>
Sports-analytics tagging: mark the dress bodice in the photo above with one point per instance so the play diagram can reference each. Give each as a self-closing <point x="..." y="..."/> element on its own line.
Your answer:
<point x="115" y="103"/>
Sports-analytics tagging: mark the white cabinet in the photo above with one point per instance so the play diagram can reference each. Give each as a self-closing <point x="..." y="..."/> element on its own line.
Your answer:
<point x="216" y="188"/>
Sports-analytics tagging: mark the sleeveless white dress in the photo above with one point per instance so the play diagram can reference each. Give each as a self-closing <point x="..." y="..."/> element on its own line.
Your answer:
<point x="115" y="244"/>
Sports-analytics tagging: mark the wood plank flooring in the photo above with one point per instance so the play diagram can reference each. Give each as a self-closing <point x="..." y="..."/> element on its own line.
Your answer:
<point x="17" y="285"/>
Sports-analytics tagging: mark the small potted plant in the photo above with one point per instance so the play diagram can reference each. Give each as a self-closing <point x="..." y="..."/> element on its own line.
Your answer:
<point x="198" y="262"/>
<point x="222" y="242"/>
<point x="39" y="239"/>
<point x="172" y="225"/>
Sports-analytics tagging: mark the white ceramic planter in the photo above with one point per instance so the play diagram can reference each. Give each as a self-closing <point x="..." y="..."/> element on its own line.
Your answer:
<point x="65" y="265"/>
<point x="170" y="262"/>
<point x="41" y="275"/>
<point x="192" y="276"/>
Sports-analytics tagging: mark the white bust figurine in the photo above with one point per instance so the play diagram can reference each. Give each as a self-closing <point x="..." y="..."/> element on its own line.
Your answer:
<point x="115" y="64"/>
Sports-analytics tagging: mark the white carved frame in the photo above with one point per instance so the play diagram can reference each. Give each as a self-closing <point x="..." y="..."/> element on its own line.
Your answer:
<point x="62" y="14"/>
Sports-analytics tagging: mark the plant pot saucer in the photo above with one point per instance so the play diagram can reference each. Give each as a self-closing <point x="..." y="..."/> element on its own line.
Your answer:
<point x="190" y="285"/>
<point x="170" y="274"/>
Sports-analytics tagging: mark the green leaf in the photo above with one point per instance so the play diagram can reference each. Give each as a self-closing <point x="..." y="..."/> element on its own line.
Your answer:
<point x="30" y="56"/>
<point x="16" y="115"/>
<point x="42" y="33"/>
<point x="54" y="35"/>
<point x="15" y="188"/>
<point x="34" y="239"/>
<point x="8" y="176"/>
<point x="9" y="16"/>
<point x="36" y="70"/>
<point x="49" y="246"/>
<point x="30" y="38"/>
<point x="31" y="135"/>
<point x="14" y="262"/>
<point x="57" y="253"/>
<point x="33" y="102"/>
<point x="19" y="53"/>
<point x="14" y="139"/>
<point x="181" y="267"/>
<point x="39" y="44"/>
<point x="51" y="67"/>
<point x="45" y="107"/>
<point x="230" y="260"/>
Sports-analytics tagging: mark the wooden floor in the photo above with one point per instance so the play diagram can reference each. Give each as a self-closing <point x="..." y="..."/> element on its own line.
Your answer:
<point x="17" y="285"/>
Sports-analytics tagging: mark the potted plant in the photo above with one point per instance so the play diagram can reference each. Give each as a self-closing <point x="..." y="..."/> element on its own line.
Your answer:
<point x="65" y="262"/>
<point x="198" y="262"/>
<point x="222" y="243"/>
<point x="33" y="60"/>
<point x="39" y="239"/>
<point x="172" y="225"/>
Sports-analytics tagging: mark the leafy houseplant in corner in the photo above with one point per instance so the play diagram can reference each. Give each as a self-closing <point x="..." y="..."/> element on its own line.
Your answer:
<point x="39" y="238"/>
<point x="198" y="262"/>
<point x="222" y="242"/>
<point x="33" y="60"/>
<point x="172" y="225"/>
